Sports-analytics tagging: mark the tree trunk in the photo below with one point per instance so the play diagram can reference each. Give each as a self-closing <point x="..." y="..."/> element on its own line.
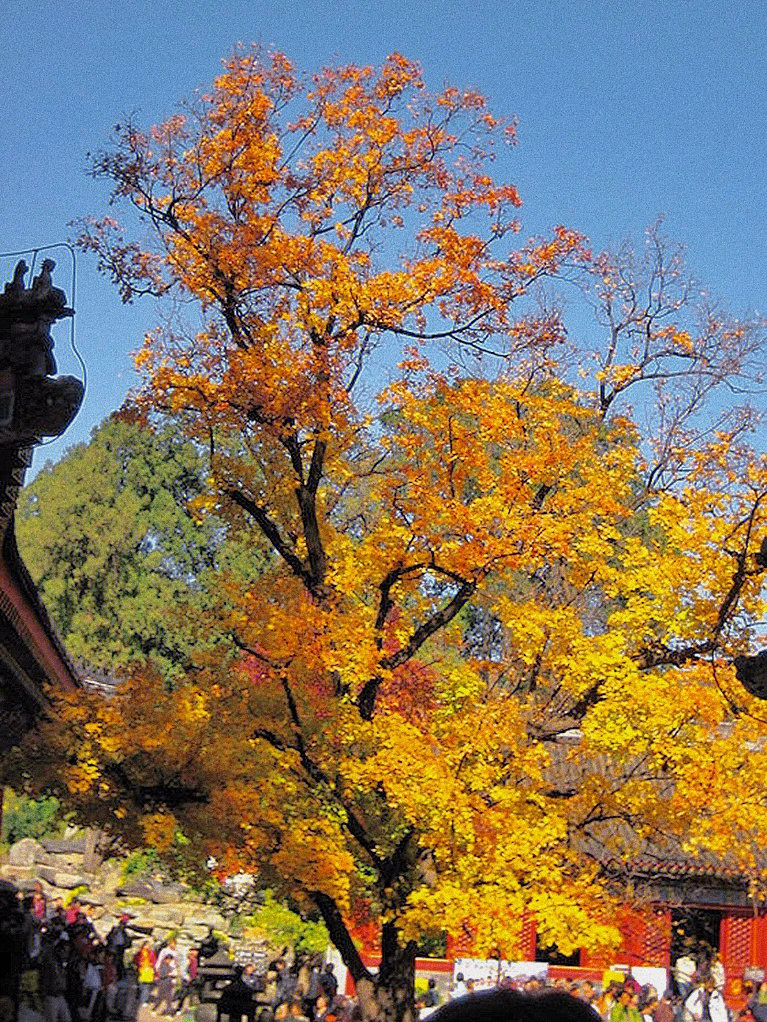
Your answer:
<point x="92" y="857"/>
<point x="389" y="996"/>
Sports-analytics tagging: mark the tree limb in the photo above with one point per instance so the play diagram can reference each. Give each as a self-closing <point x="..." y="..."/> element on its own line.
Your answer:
<point x="367" y="697"/>
<point x="272" y="533"/>
<point x="340" y="936"/>
<point x="433" y="624"/>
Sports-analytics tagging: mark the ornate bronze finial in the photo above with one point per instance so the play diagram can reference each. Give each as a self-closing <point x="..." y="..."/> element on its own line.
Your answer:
<point x="32" y="403"/>
<point x="43" y="289"/>
<point x="16" y="287"/>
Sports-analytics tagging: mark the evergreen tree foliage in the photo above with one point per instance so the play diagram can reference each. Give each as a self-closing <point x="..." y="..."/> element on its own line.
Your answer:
<point x="121" y="562"/>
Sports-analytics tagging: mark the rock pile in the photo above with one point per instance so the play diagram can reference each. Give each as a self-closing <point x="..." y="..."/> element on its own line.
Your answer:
<point x="66" y="869"/>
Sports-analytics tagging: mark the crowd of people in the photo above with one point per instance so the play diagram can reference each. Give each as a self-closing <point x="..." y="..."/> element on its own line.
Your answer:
<point x="71" y="974"/>
<point x="697" y="995"/>
<point x="66" y="969"/>
<point x="615" y="1001"/>
<point x="302" y="990"/>
<point x="68" y="973"/>
<point x="57" y="965"/>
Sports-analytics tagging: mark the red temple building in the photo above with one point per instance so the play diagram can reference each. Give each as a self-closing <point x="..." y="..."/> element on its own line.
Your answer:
<point x="34" y="403"/>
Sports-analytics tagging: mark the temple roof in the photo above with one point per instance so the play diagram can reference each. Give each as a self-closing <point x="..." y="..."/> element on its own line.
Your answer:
<point x="32" y="655"/>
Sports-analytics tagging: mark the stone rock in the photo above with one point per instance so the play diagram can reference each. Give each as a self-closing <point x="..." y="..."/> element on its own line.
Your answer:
<point x="205" y="1013"/>
<point x="165" y="894"/>
<point x="110" y="874"/>
<point x="141" y="925"/>
<point x="24" y="852"/>
<point x="43" y="858"/>
<point x="19" y="875"/>
<point x="59" y="878"/>
<point x="48" y="873"/>
<point x="136" y="889"/>
<point x="69" y="880"/>
<point x="65" y="845"/>
<point x="163" y="915"/>
<point x="67" y="863"/>
<point x="206" y="917"/>
<point x="156" y="891"/>
<point x="94" y="898"/>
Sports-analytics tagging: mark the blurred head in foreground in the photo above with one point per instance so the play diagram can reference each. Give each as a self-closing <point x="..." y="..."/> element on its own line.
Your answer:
<point x="511" y="1006"/>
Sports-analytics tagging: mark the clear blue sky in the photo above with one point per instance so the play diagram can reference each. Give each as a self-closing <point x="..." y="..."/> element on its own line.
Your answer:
<point x="627" y="108"/>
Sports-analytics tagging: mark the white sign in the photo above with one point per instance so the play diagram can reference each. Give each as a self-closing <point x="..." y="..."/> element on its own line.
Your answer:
<point x="485" y="972"/>
<point x="656" y="977"/>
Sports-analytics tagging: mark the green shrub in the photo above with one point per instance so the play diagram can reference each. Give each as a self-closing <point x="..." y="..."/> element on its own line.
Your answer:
<point x="76" y="892"/>
<point x="29" y="817"/>
<point x="281" y="925"/>
<point x="142" y="863"/>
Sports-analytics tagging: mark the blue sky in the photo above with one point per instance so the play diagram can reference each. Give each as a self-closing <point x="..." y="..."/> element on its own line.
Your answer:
<point x="626" y="110"/>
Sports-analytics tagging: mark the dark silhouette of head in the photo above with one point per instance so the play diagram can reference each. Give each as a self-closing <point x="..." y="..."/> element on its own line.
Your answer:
<point x="512" y="1006"/>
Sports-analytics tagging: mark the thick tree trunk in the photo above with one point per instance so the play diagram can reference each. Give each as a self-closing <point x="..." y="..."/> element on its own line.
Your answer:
<point x="388" y="997"/>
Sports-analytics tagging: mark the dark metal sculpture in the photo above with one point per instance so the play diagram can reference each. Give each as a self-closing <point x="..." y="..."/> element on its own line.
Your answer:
<point x="34" y="402"/>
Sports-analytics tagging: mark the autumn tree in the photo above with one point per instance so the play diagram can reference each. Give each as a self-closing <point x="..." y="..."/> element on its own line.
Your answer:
<point x="489" y="651"/>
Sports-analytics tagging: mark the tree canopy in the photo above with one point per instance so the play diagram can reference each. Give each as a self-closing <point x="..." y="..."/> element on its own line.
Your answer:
<point x="492" y="643"/>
